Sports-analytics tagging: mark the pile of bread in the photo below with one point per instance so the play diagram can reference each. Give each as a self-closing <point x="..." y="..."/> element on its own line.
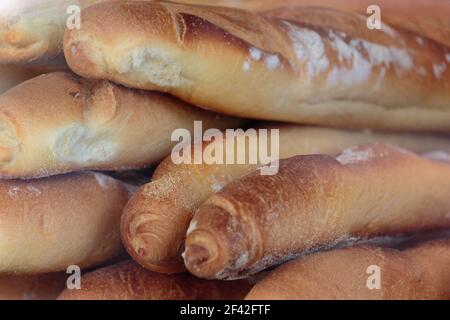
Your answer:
<point x="363" y="181"/>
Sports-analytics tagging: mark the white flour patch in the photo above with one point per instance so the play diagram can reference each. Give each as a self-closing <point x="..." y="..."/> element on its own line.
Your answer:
<point x="192" y="227"/>
<point x="242" y="260"/>
<point x="447" y="57"/>
<point x="272" y="62"/>
<point x="247" y="66"/>
<point x="30" y="190"/>
<point x="255" y="54"/>
<point x="361" y="57"/>
<point x="420" y="41"/>
<point x="309" y="49"/>
<point x="33" y="190"/>
<point x="439" y="69"/>
<point x="437" y="156"/>
<point x="78" y="144"/>
<point x="355" y="154"/>
<point x="387" y="29"/>
<point x="380" y="78"/>
<point x="216" y="187"/>
<point x="13" y="191"/>
<point x="102" y="180"/>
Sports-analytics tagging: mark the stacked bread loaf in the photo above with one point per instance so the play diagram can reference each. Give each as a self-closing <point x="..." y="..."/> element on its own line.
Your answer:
<point x="98" y="93"/>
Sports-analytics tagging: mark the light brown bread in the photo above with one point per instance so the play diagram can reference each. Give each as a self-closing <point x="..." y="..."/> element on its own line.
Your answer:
<point x="32" y="287"/>
<point x="315" y="202"/>
<point x="155" y="221"/>
<point x="338" y="73"/>
<point x="128" y="281"/>
<point x="49" y="224"/>
<point x="58" y="123"/>
<point x="413" y="274"/>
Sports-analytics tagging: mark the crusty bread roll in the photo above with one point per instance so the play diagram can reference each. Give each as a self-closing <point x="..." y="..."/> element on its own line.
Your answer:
<point x="49" y="224"/>
<point x="11" y="76"/>
<point x="413" y="274"/>
<point x="235" y="62"/>
<point x="59" y="123"/>
<point x="314" y="202"/>
<point x="155" y="220"/>
<point x="128" y="281"/>
<point x="32" y="287"/>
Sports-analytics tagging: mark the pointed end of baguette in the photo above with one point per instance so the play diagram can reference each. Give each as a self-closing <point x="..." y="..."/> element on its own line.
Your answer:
<point x="202" y="255"/>
<point x="150" y="236"/>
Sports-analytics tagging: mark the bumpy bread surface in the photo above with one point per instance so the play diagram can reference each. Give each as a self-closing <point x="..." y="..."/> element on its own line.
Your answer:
<point x="156" y="218"/>
<point x="46" y="286"/>
<point x="313" y="202"/>
<point x="413" y="274"/>
<point x="245" y="64"/>
<point x="49" y="224"/>
<point x="128" y="281"/>
<point x="58" y="123"/>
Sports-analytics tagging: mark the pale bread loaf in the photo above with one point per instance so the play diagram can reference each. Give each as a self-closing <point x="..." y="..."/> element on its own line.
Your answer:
<point x="46" y="225"/>
<point x="338" y="73"/>
<point x="58" y="123"/>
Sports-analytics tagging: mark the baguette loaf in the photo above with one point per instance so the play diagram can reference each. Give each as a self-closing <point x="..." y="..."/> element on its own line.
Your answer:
<point x="32" y="30"/>
<point x="58" y="123"/>
<point x="315" y="202"/>
<point x="338" y="73"/>
<point x="413" y="274"/>
<point x="49" y="224"/>
<point x="32" y="287"/>
<point x="155" y="220"/>
<point x="128" y="281"/>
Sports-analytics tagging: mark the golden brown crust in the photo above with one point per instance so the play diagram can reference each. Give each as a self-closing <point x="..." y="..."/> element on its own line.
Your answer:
<point x="156" y="219"/>
<point x="419" y="273"/>
<point x="58" y="123"/>
<point x="315" y="201"/>
<point x="32" y="287"/>
<point x="128" y="281"/>
<point x="49" y="224"/>
<point x="427" y="18"/>
<point x="268" y="68"/>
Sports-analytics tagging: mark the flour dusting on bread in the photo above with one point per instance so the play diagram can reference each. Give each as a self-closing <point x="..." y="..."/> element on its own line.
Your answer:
<point x="355" y="154"/>
<point x="151" y="66"/>
<point x="309" y="48"/>
<point x="78" y="144"/>
<point x="359" y="57"/>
